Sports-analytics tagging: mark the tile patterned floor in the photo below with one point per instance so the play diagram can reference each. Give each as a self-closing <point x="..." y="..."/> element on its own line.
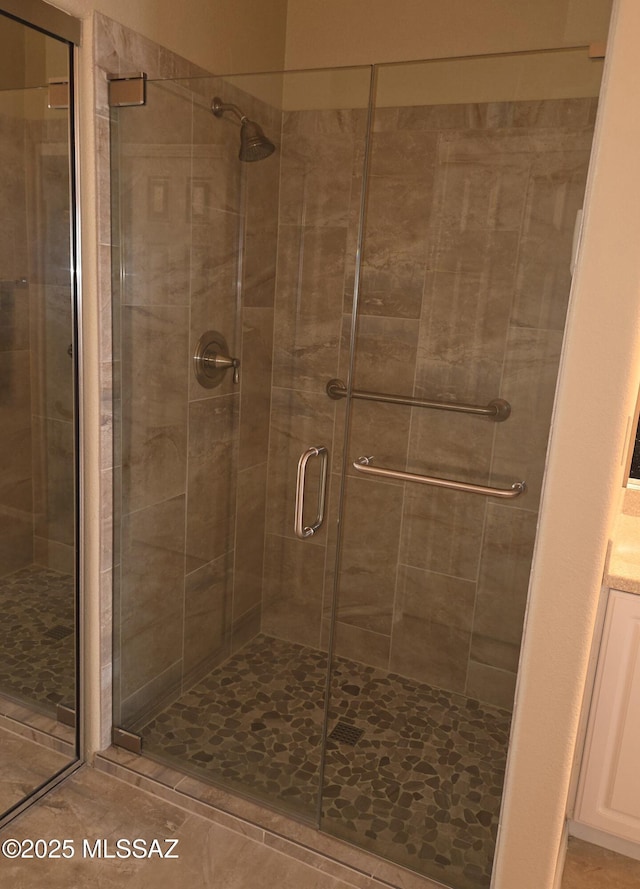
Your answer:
<point x="592" y="867"/>
<point x="421" y="787"/>
<point x="213" y="855"/>
<point x="24" y="766"/>
<point x="37" y="657"/>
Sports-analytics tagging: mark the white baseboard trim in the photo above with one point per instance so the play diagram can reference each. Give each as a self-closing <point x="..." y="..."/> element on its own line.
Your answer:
<point x="606" y="840"/>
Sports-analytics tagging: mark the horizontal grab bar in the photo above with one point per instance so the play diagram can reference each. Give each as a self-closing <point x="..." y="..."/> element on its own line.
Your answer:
<point x="363" y="464"/>
<point x="498" y="409"/>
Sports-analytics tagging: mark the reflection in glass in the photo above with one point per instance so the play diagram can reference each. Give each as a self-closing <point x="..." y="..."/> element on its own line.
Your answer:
<point x="37" y="419"/>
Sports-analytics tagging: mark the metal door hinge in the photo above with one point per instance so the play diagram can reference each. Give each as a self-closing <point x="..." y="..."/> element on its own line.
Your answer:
<point x="127" y="89"/>
<point x="58" y="93"/>
<point x="128" y="740"/>
<point x="65" y="715"/>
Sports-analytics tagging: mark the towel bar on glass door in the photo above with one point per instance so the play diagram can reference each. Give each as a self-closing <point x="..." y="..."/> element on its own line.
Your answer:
<point x="363" y="464"/>
<point x="497" y="410"/>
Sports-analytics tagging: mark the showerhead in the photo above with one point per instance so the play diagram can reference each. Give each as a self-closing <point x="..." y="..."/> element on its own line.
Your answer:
<point x="254" y="145"/>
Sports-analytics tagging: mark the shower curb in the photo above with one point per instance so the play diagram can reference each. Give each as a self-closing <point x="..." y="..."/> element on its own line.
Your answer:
<point x="300" y="841"/>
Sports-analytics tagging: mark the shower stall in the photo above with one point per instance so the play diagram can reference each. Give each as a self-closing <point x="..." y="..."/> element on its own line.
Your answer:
<point x="334" y="374"/>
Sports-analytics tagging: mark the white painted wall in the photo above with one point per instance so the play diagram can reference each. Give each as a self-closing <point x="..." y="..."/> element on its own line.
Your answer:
<point x="597" y="393"/>
<point x="223" y="36"/>
<point x="322" y="33"/>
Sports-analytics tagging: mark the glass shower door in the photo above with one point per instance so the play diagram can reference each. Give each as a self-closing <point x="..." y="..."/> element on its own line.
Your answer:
<point x="222" y="590"/>
<point x="38" y="418"/>
<point x="316" y="329"/>
<point x="477" y="174"/>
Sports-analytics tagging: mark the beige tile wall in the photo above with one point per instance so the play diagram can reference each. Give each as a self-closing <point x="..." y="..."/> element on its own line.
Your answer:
<point x="469" y="218"/>
<point x="16" y="471"/>
<point x="319" y="191"/>
<point x="192" y="460"/>
<point x="465" y="282"/>
<point x="52" y="369"/>
<point x="37" y="479"/>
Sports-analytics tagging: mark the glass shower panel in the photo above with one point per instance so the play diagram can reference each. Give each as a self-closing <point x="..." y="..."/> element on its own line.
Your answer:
<point x="476" y="176"/>
<point x="37" y="420"/>
<point x="220" y="642"/>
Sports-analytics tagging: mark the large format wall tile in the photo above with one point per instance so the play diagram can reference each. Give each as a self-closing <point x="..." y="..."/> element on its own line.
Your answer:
<point x="214" y="305"/>
<point x="299" y="420"/>
<point x="378" y="431"/>
<point x="16" y="540"/>
<point x="463" y="331"/>
<point x="152" y="593"/>
<point x="457" y="302"/>
<point x="261" y="233"/>
<point x="55" y="450"/>
<point x="255" y="394"/>
<point x="16" y="429"/>
<point x="497" y="187"/>
<point x="386" y="354"/>
<point x="211" y="479"/>
<point x="207" y="604"/>
<point x="442" y="531"/>
<point x="48" y="181"/>
<point x="502" y="586"/>
<point x="357" y="644"/>
<point x="451" y="445"/>
<point x="308" y="317"/>
<point x="369" y="555"/>
<point x="13" y="226"/>
<point x="154" y="447"/>
<point x="432" y="622"/>
<point x="250" y="536"/>
<point x="395" y="241"/>
<point x="315" y="185"/>
<point x="54" y="353"/>
<point x="156" y="253"/>
<point x="490" y="684"/>
<point x="16" y="469"/>
<point x="532" y="358"/>
<point x="293" y="590"/>
<point x="197" y="245"/>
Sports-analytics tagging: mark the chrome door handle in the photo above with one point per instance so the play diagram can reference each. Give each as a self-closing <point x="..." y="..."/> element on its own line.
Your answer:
<point x="299" y="527"/>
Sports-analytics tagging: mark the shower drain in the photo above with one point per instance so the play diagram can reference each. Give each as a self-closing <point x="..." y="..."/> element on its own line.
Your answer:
<point x="59" y="632"/>
<point x="346" y="734"/>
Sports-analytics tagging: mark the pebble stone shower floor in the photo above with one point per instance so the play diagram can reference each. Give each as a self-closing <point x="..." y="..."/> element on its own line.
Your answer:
<point x="421" y="786"/>
<point x="37" y="649"/>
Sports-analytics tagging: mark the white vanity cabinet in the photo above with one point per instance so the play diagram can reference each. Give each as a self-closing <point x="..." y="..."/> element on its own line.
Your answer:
<point x="609" y="786"/>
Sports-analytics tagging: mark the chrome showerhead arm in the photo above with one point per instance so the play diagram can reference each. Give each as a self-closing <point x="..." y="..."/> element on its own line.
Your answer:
<point x="254" y="145"/>
<point x="218" y="108"/>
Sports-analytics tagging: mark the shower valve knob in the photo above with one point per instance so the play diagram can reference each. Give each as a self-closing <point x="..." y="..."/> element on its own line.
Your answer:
<point x="222" y="362"/>
<point x="211" y="359"/>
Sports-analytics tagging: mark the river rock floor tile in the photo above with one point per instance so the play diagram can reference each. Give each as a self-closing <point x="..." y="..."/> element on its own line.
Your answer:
<point x="421" y="786"/>
<point x="37" y="650"/>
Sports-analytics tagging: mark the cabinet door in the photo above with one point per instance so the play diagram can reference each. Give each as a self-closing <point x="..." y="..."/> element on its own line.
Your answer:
<point x="609" y="791"/>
